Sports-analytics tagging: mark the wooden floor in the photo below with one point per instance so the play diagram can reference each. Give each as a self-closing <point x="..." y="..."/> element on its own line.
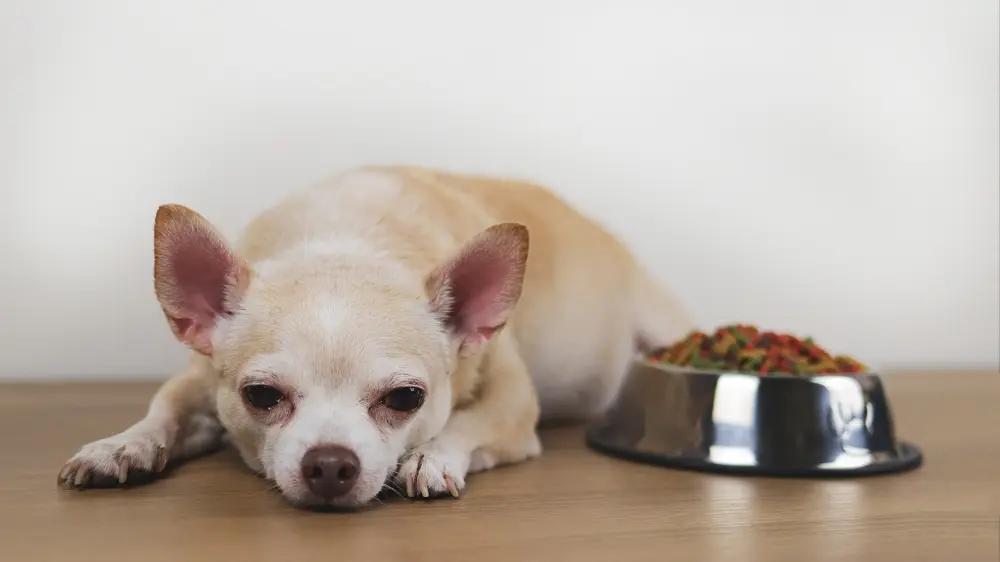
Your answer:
<point x="571" y="504"/>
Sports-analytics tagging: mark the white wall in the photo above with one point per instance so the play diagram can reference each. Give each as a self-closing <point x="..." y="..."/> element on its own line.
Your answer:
<point x="828" y="168"/>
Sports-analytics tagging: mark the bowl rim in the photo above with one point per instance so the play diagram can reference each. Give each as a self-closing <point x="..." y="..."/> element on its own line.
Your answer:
<point x="682" y="369"/>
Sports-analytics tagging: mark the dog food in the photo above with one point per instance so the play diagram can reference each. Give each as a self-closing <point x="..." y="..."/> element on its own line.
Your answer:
<point x="746" y="349"/>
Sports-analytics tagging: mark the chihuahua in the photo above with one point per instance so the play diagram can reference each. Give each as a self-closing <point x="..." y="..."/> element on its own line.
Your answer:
<point x="386" y="328"/>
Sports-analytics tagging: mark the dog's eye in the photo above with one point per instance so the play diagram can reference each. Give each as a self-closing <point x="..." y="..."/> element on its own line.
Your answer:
<point x="404" y="399"/>
<point x="262" y="397"/>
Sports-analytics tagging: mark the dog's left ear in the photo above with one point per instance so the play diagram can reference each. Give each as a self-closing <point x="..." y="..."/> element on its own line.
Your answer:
<point x="476" y="290"/>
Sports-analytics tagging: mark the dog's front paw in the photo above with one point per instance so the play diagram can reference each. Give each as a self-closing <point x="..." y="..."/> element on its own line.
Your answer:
<point x="133" y="455"/>
<point x="433" y="471"/>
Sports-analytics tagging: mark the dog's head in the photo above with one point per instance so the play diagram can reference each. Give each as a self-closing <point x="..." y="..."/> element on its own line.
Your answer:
<point x="333" y="364"/>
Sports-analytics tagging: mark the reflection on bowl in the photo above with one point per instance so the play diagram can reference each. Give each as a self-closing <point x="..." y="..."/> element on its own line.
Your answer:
<point x="778" y="425"/>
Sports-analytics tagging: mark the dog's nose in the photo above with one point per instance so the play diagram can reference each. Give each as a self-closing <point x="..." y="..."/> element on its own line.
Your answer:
<point x="330" y="471"/>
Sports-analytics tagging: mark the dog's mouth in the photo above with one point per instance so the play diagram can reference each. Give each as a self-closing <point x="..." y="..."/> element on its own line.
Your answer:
<point x="315" y="503"/>
<point x="328" y="507"/>
<point x="387" y="494"/>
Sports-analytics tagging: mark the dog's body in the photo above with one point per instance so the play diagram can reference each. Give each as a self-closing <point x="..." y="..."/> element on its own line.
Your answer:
<point x="371" y="320"/>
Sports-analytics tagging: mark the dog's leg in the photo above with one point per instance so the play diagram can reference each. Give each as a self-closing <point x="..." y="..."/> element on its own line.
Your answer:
<point x="497" y="428"/>
<point x="179" y="424"/>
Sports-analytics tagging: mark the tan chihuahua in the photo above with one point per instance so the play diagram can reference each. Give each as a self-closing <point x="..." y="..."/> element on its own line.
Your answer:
<point x="386" y="328"/>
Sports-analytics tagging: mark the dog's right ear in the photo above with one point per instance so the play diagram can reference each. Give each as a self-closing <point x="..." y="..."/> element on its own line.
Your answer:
<point x="197" y="276"/>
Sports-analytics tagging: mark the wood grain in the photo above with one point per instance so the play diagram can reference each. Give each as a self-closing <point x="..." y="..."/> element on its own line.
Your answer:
<point x="571" y="504"/>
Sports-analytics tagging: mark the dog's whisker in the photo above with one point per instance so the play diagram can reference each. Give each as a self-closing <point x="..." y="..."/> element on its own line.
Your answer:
<point x="389" y="486"/>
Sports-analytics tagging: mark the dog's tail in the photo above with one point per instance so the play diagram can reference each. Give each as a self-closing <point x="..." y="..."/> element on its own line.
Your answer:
<point x="660" y="319"/>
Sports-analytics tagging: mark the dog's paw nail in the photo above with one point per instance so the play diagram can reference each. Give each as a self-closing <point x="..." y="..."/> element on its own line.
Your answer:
<point x="161" y="458"/>
<point x="424" y="491"/>
<point x="66" y="482"/>
<point x="66" y="473"/>
<point x="123" y="470"/>
<point x="82" y="476"/>
<point x="450" y="483"/>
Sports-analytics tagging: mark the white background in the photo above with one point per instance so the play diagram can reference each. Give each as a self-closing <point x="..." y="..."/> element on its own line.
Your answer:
<point x="826" y="168"/>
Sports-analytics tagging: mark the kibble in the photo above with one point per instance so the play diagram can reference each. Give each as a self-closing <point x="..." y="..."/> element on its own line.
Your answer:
<point x="746" y="349"/>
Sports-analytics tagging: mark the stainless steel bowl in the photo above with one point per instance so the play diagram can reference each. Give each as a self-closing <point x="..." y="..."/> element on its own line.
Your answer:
<point x="774" y="425"/>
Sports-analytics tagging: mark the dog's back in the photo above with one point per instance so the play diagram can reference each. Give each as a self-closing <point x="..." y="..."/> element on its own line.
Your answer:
<point x="585" y="303"/>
